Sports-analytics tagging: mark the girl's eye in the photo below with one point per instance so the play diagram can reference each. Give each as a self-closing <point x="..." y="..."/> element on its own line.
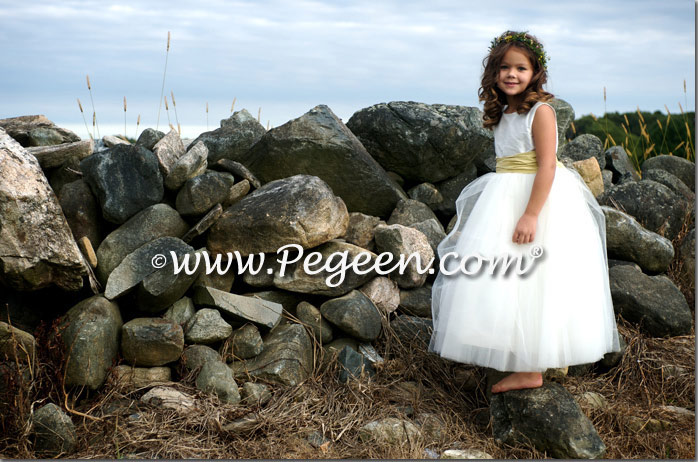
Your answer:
<point x="522" y="68"/>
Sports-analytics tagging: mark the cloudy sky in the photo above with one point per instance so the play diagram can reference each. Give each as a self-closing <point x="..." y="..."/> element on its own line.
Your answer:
<point x="286" y="57"/>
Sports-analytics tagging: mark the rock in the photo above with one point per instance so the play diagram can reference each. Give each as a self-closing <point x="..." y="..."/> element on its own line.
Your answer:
<point x="237" y="134"/>
<point x="687" y="255"/>
<point x="203" y="225"/>
<point x="300" y="210"/>
<point x="417" y="301"/>
<point x="140" y="377"/>
<point x="583" y="147"/>
<point x="411" y="252"/>
<point x="653" y="303"/>
<point x="239" y="309"/>
<point x="594" y="400"/>
<point x="421" y="142"/>
<point x="627" y="240"/>
<point x="195" y="356"/>
<point x="169" y="398"/>
<point x="370" y="353"/>
<point x="431" y="425"/>
<point x="16" y="345"/>
<point x="451" y="188"/>
<point x="255" y="394"/>
<point x="590" y="172"/>
<point x="181" y="311"/>
<point x="215" y="280"/>
<point x="237" y="192"/>
<point x="90" y="332"/>
<point x="353" y="365"/>
<point x="36" y="130"/>
<point x="383" y="292"/>
<point x="247" y="423"/>
<point x="338" y="344"/>
<point x="215" y="377"/>
<point x="246" y="343"/>
<point x="340" y="257"/>
<point x="168" y="151"/>
<point x="312" y="318"/>
<point x="652" y="204"/>
<point x="412" y="329"/>
<point x="618" y="162"/>
<point x="614" y="358"/>
<point x="238" y="170"/>
<point x="54" y="156"/>
<point x="125" y="180"/>
<point x="672" y="182"/>
<point x="37" y="248"/>
<point x="678" y="412"/>
<point x="465" y="454"/>
<point x="683" y="169"/>
<point x="427" y="194"/>
<point x="68" y="172"/>
<point x="151" y="341"/>
<point x="146" y="260"/>
<point x="409" y="212"/>
<point x="319" y="144"/>
<point x="433" y="230"/>
<point x="199" y="194"/>
<point x="547" y="418"/>
<point x="111" y="141"/>
<point x="638" y="424"/>
<point x="287" y="358"/>
<point x="156" y="221"/>
<point x="81" y="211"/>
<point x="149" y="138"/>
<point x="390" y="430"/>
<point x="207" y="327"/>
<point x="354" y="314"/>
<point x="607" y="177"/>
<point x="189" y="165"/>
<point x="360" y="229"/>
<point x="54" y="431"/>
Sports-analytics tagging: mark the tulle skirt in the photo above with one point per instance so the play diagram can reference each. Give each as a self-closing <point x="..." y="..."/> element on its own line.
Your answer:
<point x="552" y="307"/>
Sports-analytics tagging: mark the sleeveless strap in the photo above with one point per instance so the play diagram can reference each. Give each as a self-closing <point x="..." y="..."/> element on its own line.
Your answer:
<point x="523" y="162"/>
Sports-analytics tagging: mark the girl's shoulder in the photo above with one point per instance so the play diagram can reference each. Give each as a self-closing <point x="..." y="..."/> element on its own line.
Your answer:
<point x="532" y="112"/>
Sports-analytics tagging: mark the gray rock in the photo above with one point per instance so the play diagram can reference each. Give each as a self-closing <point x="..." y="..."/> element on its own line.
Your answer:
<point x="583" y="147"/>
<point x="383" y="292"/>
<point x="411" y="329"/>
<point x="433" y="230"/>
<point x="654" y="205"/>
<point x="143" y="262"/>
<point x="672" y="182"/>
<point x="354" y="314"/>
<point x="300" y="210"/>
<point x="618" y="162"/>
<point x="406" y="244"/>
<point x="319" y="144"/>
<point x="338" y="344"/>
<point x="687" y="255"/>
<point x="565" y="116"/>
<point x="207" y="327"/>
<point x="125" y="179"/>
<point x="549" y="419"/>
<point x="237" y="134"/>
<point x="465" y="454"/>
<point x="54" y="156"/>
<point x="151" y="342"/>
<point x="149" y="138"/>
<point x="246" y="343"/>
<point x="168" y="151"/>
<point x="37" y="248"/>
<point x="168" y="398"/>
<point x="156" y="221"/>
<point x="239" y="309"/>
<point x="255" y="394"/>
<point x="426" y="193"/>
<point x="417" y="301"/>
<point x="287" y="358"/>
<point x="36" y="130"/>
<point x="627" y="240"/>
<point x="653" y="303"/>
<point x="312" y="318"/>
<point x="431" y="425"/>
<point x="353" y="364"/>
<point x="410" y="212"/>
<point x="191" y="164"/>
<point x="110" y="141"/>
<point x="90" y="333"/>
<point x="203" y="225"/>
<point x="54" y="431"/>
<point x="222" y="282"/>
<point x="360" y="229"/>
<point x="68" y="172"/>
<point x="81" y="211"/>
<point x="390" y="430"/>
<point x="16" y="345"/>
<point x="139" y="377"/>
<point x="607" y="178"/>
<point x="328" y="282"/>
<point x="181" y="311"/>
<point x="421" y="142"/>
<point x="451" y="188"/>
<point x="682" y="168"/>
<point x="195" y="356"/>
<point x="199" y="194"/>
<point x="217" y="378"/>
<point x="238" y="170"/>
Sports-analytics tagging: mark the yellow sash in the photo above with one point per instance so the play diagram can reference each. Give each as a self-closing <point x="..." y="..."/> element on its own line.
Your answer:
<point x="523" y="162"/>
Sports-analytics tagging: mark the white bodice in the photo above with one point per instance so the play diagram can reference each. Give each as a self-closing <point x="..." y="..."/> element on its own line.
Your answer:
<point x="512" y="135"/>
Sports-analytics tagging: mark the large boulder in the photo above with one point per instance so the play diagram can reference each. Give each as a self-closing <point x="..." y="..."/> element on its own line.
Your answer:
<point x="583" y="147"/>
<point x="319" y="144"/>
<point x="37" y="248"/>
<point x="237" y="134"/>
<point x="619" y="164"/>
<point x="239" y="309"/>
<point x="300" y="210"/>
<point x="682" y="168"/>
<point x="55" y="156"/>
<point x="168" y="151"/>
<point x="81" y="210"/>
<point x="421" y="142"/>
<point x="36" y="130"/>
<point x="53" y="431"/>
<point x="151" y="342"/>
<point x="354" y="314"/>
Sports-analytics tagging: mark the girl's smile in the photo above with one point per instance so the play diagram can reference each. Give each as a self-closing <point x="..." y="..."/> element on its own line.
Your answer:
<point x="515" y="74"/>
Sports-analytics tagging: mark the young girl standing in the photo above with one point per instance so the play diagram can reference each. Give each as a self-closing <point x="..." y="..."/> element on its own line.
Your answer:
<point x="560" y="312"/>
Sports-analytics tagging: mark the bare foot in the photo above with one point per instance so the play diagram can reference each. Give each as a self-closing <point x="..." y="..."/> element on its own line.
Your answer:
<point x="517" y="381"/>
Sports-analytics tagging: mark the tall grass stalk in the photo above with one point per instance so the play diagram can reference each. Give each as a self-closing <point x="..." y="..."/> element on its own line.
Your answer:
<point x="84" y="120"/>
<point x="125" y="117"/>
<point x="167" y="111"/>
<point x="259" y="114"/>
<point x="206" y="115"/>
<point x="162" y="90"/>
<point x="94" y="112"/>
<point x="232" y="106"/>
<point x="174" y="105"/>
<point x="138" y="123"/>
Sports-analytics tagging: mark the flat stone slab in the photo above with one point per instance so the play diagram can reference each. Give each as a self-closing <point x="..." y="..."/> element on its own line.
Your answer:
<point x="239" y="308"/>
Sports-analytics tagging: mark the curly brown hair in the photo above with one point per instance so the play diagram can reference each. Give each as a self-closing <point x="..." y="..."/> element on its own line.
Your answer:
<point x="494" y="98"/>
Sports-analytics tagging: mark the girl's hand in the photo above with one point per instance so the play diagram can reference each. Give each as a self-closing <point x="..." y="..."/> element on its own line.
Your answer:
<point x="525" y="230"/>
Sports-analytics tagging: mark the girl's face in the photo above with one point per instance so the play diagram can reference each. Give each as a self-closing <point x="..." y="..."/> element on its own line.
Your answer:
<point x="515" y="73"/>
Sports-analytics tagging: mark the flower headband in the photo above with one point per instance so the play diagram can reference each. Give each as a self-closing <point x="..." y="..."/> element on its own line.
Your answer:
<point x="522" y="37"/>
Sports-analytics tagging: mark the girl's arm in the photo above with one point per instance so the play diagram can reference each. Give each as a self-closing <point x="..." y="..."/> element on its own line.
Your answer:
<point x="543" y="130"/>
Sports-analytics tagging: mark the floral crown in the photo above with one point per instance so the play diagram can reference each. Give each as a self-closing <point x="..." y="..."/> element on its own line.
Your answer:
<point x="526" y="39"/>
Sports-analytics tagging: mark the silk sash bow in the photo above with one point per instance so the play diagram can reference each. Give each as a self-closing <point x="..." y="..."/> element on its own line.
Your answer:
<point x="523" y="162"/>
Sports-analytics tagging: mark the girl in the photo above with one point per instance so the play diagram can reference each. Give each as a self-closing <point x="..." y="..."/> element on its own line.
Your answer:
<point x="560" y="312"/>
